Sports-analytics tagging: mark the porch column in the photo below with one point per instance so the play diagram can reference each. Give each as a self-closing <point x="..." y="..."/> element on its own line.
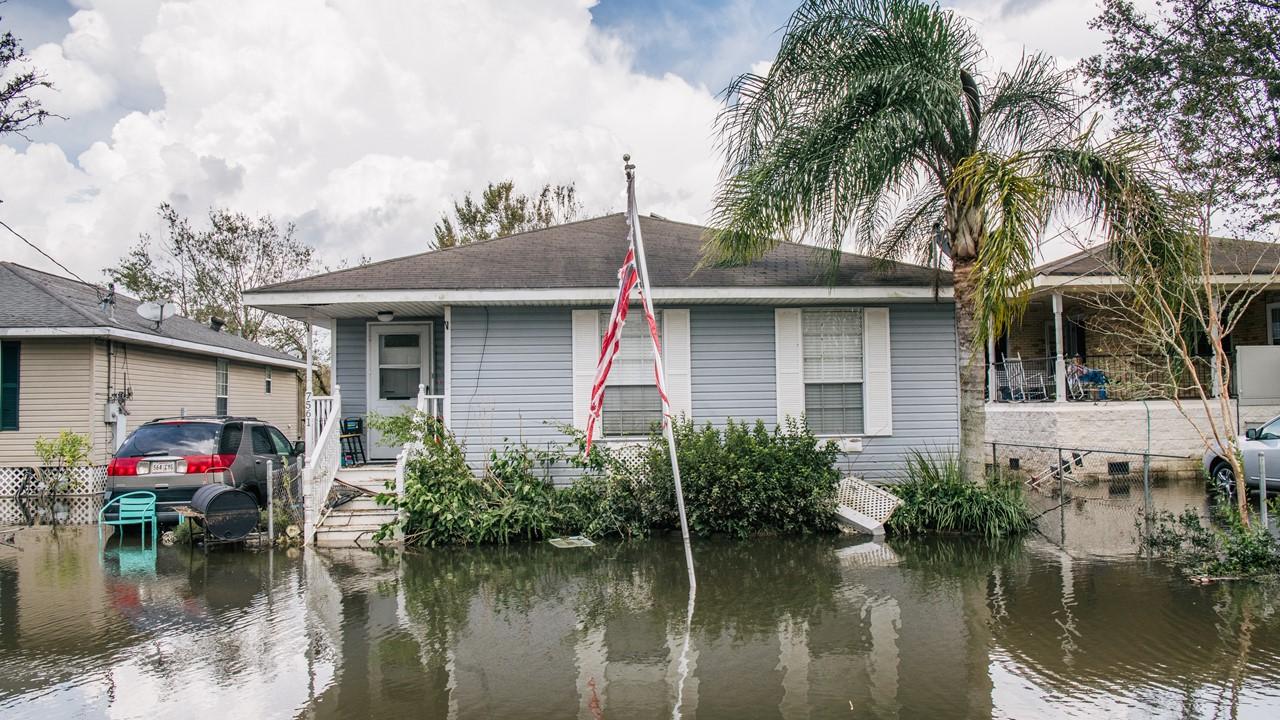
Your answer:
<point x="333" y="353"/>
<point x="1059" y="363"/>
<point x="992" y="390"/>
<point x="448" y="366"/>
<point x="310" y="390"/>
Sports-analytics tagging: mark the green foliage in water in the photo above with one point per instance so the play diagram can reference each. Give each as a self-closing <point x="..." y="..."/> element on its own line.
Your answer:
<point x="745" y="480"/>
<point x="937" y="498"/>
<point x="742" y="481"/>
<point x="1225" y="549"/>
<point x="444" y="503"/>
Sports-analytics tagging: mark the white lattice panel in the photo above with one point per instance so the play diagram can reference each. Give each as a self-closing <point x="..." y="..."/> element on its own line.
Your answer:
<point x="874" y="502"/>
<point x="82" y="481"/>
<point x="69" y="510"/>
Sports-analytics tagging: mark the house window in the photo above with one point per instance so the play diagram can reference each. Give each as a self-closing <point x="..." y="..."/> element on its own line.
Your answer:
<point x="1273" y="324"/>
<point x="266" y="383"/>
<point x="833" y="374"/>
<point x="10" y="352"/>
<point x="631" y="403"/>
<point x="220" y="386"/>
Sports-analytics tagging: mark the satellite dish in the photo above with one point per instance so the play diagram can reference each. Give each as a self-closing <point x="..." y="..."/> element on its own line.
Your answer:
<point x="157" y="312"/>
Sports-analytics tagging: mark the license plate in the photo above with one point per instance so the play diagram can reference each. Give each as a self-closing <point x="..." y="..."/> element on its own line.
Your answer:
<point x="162" y="466"/>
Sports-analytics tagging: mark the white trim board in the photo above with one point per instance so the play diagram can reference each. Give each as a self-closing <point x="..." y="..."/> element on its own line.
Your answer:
<point x="145" y="339"/>
<point x="603" y="295"/>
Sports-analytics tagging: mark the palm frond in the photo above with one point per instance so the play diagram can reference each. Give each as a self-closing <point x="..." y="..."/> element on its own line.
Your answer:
<point x="1010" y="190"/>
<point x="861" y="99"/>
<point x="1030" y="106"/>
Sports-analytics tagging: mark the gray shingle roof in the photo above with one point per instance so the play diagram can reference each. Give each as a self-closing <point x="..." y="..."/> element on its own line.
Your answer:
<point x="587" y="254"/>
<point x="33" y="299"/>
<point x="1229" y="256"/>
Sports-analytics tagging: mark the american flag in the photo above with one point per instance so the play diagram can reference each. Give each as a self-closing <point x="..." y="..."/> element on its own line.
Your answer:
<point x="628" y="279"/>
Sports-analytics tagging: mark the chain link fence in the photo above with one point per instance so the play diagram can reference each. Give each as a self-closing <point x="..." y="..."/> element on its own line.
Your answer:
<point x="284" y="513"/>
<point x="1096" y="501"/>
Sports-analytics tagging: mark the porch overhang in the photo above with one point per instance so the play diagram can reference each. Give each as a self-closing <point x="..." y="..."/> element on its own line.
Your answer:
<point x="1110" y="283"/>
<point x="327" y="304"/>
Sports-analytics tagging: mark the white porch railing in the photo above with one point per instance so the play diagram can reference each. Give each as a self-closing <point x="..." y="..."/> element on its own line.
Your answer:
<point x="432" y="405"/>
<point x="324" y="455"/>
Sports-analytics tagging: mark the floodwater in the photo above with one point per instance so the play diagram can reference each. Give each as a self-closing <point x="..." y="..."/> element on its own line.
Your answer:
<point x="827" y="627"/>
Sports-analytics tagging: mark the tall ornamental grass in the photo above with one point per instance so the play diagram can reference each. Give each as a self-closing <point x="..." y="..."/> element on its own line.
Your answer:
<point x="937" y="498"/>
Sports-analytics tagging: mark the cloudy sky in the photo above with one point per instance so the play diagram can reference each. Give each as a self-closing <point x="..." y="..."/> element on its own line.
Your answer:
<point x="361" y="119"/>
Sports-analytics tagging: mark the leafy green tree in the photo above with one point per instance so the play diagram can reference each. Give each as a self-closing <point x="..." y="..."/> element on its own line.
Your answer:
<point x="874" y="127"/>
<point x="1203" y="77"/>
<point x="19" y="109"/>
<point x="501" y="212"/>
<point x="206" y="272"/>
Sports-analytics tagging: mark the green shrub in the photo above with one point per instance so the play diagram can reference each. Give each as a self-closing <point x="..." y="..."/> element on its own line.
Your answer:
<point x="938" y="498"/>
<point x="1226" y="549"/>
<point x="748" y="480"/>
<point x="743" y="481"/>
<point x="444" y="503"/>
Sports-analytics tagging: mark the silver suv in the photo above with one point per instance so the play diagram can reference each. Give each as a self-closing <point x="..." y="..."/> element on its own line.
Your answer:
<point x="1265" y="440"/>
<point x="173" y="457"/>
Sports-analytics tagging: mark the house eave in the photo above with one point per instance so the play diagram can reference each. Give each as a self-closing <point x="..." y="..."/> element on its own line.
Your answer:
<point x="340" y="303"/>
<point x="152" y="340"/>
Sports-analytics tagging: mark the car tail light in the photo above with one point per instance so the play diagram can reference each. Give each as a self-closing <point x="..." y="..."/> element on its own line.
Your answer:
<point x="207" y="463"/>
<point x="122" y="466"/>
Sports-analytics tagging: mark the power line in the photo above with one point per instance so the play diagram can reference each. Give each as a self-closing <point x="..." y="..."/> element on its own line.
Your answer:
<point x="47" y="255"/>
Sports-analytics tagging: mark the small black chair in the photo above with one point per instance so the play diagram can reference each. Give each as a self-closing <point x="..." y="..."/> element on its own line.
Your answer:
<point x="352" y="441"/>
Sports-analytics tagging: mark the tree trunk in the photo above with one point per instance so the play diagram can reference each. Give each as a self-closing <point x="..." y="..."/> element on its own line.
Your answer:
<point x="972" y="371"/>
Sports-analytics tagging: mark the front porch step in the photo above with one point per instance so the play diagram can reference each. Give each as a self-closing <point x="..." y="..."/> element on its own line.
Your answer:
<point x="370" y="477"/>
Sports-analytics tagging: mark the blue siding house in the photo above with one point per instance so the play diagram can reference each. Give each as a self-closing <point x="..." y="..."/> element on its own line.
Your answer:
<point x="503" y="336"/>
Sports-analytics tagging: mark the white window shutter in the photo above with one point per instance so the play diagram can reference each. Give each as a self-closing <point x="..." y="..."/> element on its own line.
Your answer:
<point x="586" y="350"/>
<point x="877" y="392"/>
<point x="789" y="363"/>
<point x="676" y="356"/>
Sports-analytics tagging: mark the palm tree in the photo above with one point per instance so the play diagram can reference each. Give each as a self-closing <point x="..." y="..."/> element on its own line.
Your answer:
<point x="874" y="127"/>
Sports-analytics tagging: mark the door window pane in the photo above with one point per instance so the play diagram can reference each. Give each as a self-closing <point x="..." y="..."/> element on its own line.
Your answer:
<point x="400" y="349"/>
<point x="398" y="383"/>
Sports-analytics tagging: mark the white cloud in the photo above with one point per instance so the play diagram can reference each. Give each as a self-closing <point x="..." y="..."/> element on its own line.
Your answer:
<point x="358" y="120"/>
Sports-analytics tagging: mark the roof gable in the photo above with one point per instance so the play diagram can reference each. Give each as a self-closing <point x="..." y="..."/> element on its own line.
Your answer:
<point x="587" y="253"/>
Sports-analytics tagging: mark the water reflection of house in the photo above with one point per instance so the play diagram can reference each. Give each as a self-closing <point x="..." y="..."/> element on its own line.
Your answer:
<point x="883" y="642"/>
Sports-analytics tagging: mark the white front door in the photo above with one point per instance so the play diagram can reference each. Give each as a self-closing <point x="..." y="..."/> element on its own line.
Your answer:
<point x="400" y="357"/>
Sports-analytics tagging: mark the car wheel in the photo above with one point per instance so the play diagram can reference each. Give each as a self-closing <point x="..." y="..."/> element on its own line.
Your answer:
<point x="1224" y="481"/>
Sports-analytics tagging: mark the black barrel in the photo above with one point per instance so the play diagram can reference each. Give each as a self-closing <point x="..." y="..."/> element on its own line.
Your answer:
<point x="229" y="514"/>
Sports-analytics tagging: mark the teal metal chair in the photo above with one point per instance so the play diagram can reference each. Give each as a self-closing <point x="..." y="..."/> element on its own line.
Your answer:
<point x="134" y="508"/>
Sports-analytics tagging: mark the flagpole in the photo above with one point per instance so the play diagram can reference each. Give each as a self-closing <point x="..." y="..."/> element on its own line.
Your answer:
<point x="646" y="297"/>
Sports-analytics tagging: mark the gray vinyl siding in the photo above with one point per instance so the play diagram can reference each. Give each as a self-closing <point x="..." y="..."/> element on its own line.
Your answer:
<point x="350" y="363"/>
<point x="926" y="391"/>
<point x="512" y="378"/>
<point x="352" y="360"/>
<point x="731" y="360"/>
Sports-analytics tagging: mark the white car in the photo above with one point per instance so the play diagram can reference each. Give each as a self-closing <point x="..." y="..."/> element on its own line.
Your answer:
<point x="1263" y="441"/>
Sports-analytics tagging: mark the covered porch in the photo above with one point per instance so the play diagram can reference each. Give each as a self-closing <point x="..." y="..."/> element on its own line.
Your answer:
<point x="383" y="359"/>
<point x="1032" y="362"/>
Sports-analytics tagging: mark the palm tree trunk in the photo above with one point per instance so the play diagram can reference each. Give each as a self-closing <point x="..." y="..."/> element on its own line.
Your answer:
<point x="972" y="372"/>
